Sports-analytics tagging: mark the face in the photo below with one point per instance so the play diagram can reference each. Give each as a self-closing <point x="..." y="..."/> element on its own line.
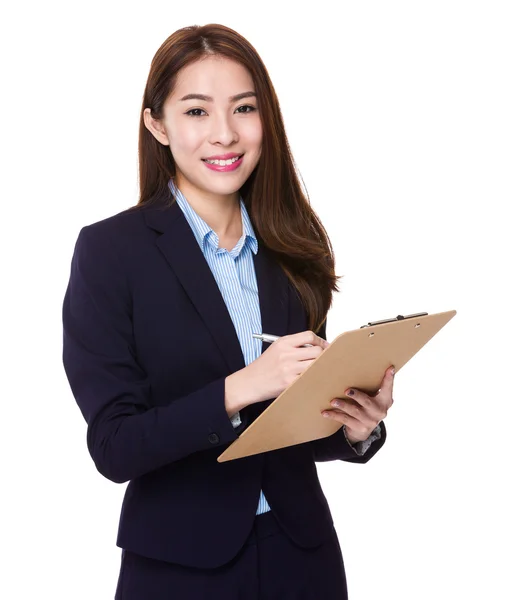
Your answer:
<point x="204" y="128"/>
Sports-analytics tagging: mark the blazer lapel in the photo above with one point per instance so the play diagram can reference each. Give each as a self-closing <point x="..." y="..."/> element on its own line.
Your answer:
<point x="180" y="248"/>
<point x="273" y="292"/>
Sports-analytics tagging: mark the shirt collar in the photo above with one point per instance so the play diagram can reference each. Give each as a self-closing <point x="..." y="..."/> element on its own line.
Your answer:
<point x="204" y="233"/>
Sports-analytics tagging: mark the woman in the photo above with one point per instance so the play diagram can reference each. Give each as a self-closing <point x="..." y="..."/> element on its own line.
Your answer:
<point x="162" y="302"/>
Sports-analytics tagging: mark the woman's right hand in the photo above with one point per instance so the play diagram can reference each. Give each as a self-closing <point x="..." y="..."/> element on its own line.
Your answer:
<point x="274" y="370"/>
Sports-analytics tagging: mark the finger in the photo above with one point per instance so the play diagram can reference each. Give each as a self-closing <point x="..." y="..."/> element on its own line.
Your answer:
<point x="385" y="395"/>
<point x="388" y="380"/>
<point x="345" y="419"/>
<point x="367" y="418"/>
<point x="376" y="407"/>
<point x="307" y="337"/>
<point x="361" y="398"/>
<point x="310" y="353"/>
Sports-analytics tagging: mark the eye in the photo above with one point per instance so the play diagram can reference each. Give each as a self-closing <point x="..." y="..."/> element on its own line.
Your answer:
<point x="247" y="106"/>
<point x="251" y="109"/>
<point x="193" y="109"/>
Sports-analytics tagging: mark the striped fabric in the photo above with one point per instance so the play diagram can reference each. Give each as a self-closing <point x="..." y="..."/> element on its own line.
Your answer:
<point x="235" y="275"/>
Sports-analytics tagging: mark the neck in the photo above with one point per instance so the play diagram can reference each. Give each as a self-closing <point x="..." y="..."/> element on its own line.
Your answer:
<point x="221" y="213"/>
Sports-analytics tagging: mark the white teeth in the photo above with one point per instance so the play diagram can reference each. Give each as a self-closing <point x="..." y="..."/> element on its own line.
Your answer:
<point x="222" y="163"/>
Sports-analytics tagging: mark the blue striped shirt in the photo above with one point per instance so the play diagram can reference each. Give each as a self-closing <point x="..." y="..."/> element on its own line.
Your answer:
<point x="234" y="273"/>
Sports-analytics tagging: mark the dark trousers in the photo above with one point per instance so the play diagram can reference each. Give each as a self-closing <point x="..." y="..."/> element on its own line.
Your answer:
<point x="268" y="567"/>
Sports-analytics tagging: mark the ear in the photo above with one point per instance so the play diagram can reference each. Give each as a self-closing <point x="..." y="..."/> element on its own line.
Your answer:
<point x="155" y="127"/>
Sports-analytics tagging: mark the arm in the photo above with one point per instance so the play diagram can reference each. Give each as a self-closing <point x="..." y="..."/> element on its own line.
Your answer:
<point x="362" y="447"/>
<point x="338" y="447"/>
<point x="126" y="436"/>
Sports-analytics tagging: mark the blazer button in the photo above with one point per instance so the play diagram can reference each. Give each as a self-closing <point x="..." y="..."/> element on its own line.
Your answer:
<point x="213" y="438"/>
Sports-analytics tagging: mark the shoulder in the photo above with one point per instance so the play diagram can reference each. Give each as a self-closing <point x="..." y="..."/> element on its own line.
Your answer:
<point x="124" y="229"/>
<point x="118" y="225"/>
<point x="114" y="239"/>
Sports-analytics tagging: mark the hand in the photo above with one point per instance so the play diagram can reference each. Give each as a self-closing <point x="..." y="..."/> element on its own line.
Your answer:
<point x="274" y="370"/>
<point x="362" y="413"/>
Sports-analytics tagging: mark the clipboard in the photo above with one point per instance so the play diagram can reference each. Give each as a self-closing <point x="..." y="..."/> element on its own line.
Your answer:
<point x="356" y="358"/>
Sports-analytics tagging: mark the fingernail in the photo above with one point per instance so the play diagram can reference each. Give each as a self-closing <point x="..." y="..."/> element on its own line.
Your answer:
<point x="350" y="393"/>
<point x="325" y="414"/>
<point x="392" y="371"/>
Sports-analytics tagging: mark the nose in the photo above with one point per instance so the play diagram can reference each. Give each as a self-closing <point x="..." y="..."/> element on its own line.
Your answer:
<point x="223" y="130"/>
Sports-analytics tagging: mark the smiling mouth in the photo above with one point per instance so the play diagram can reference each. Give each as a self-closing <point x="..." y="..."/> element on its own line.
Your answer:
<point x="223" y="163"/>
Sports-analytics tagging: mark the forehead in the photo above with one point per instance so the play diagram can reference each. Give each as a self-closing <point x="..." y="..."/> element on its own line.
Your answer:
<point x="214" y="76"/>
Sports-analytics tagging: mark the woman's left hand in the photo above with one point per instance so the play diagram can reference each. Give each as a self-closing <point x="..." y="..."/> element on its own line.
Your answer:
<point x="362" y="413"/>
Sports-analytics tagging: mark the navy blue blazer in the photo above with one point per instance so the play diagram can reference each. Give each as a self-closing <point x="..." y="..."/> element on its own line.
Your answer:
<point x="148" y="343"/>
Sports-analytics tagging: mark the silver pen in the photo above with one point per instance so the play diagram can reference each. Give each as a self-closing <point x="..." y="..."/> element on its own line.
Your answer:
<point x="269" y="338"/>
<point x="266" y="337"/>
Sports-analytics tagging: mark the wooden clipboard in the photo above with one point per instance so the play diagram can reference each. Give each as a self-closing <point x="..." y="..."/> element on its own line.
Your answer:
<point x="356" y="358"/>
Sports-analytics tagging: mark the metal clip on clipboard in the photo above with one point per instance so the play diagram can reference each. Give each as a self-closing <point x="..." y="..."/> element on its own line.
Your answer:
<point x="398" y="318"/>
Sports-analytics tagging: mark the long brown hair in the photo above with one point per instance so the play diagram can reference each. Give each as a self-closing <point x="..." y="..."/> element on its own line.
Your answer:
<point x="279" y="210"/>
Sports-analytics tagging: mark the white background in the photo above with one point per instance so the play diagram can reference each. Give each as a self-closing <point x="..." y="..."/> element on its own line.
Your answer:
<point x="400" y="119"/>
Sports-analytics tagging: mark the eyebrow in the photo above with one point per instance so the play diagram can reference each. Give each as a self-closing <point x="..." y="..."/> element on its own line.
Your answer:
<point x="210" y="99"/>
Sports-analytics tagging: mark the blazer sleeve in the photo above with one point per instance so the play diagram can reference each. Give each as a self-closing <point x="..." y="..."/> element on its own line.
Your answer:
<point x="126" y="436"/>
<point x="337" y="447"/>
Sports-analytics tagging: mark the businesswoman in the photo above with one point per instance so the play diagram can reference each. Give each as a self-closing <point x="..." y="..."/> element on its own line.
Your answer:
<point x="159" y="313"/>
